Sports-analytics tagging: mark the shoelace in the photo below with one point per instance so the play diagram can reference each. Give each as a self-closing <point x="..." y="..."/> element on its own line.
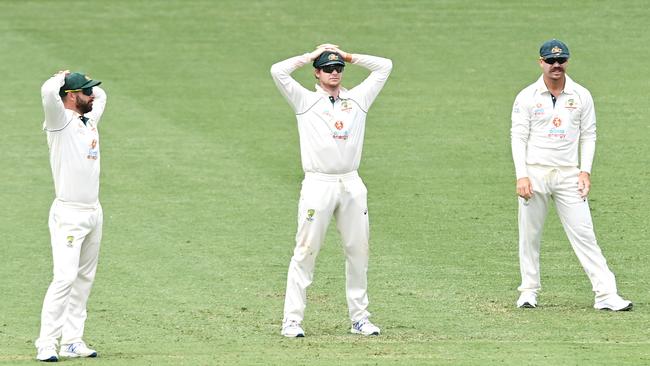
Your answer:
<point x="73" y="347"/>
<point x="358" y="325"/>
<point x="292" y="324"/>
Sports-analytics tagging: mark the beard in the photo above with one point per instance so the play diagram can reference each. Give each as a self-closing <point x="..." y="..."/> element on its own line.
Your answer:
<point x="84" y="106"/>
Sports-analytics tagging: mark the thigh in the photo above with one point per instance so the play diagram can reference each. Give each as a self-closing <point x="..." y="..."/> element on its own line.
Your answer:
<point x="352" y="217"/>
<point x="91" y="243"/>
<point x="317" y="201"/>
<point x="565" y="191"/>
<point x="68" y="231"/>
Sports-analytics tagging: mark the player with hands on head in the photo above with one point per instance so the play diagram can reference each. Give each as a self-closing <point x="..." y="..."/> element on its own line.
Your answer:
<point x="331" y="125"/>
<point x="553" y="138"/>
<point x="73" y="105"/>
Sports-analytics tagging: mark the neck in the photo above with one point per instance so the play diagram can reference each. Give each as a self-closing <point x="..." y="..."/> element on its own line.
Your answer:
<point x="555" y="86"/>
<point x="331" y="90"/>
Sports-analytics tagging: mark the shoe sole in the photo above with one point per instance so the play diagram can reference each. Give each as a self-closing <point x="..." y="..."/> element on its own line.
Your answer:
<point x="51" y="359"/>
<point x="354" y="331"/>
<point x="299" y="335"/>
<point x="627" y="308"/>
<point x="75" y="355"/>
<point x="527" y="305"/>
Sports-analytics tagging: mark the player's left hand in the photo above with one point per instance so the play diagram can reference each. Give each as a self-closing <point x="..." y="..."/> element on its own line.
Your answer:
<point x="584" y="184"/>
<point x="335" y="48"/>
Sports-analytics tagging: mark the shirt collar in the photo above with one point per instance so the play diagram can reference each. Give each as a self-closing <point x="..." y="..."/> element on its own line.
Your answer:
<point x="342" y="92"/>
<point x="569" y="85"/>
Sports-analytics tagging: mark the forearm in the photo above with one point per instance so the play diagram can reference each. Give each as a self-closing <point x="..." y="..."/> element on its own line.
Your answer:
<point x="587" y="153"/>
<point x="377" y="64"/>
<point x="99" y="104"/>
<point x="519" y="157"/>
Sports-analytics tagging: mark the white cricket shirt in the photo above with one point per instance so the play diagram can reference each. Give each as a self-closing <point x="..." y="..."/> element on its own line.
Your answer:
<point x="331" y="134"/>
<point x="544" y="134"/>
<point x="74" y="146"/>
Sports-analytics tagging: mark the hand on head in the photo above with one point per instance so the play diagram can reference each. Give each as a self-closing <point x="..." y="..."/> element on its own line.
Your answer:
<point x="327" y="47"/>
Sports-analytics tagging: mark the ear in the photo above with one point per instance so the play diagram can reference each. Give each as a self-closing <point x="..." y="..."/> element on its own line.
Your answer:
<point x="317" y="74"/>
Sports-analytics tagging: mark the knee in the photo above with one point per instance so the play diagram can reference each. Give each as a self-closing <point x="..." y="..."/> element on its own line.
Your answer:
<point x="64" y="281"/>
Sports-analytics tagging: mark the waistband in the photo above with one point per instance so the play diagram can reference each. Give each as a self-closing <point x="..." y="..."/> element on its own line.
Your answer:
<point x="550" y="167"/>
<point x="76" y="205"/>
<point x="332" y="177"/>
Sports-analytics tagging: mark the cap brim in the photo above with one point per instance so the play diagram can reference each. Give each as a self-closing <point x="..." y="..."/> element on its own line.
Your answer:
<point x="90" y="84"/>
<point x="333" y="62"/>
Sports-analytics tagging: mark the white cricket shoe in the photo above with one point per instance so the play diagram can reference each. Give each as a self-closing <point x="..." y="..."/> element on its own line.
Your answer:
<point x="365" y="327"/>
<point x="527" y="299"/>
<point x="78" y="349"/>
<point x="47" y="354"/>
<point x="292" y="329"/>
<point x="614" y="303"/>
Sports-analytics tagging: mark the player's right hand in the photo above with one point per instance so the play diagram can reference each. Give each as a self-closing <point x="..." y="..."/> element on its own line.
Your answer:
<point x="524" y="188"/>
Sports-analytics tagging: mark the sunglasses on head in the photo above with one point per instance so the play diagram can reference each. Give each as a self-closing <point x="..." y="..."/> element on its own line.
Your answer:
<point x="85" y="91"/>
<point x="553" y="60"/>
<point x="330" y="68"/>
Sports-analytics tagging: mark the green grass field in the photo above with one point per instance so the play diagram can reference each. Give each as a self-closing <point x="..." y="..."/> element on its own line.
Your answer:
<point x="201" y="175"/>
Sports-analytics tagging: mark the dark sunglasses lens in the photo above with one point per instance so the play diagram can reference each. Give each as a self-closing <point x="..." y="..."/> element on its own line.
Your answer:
<point x="87" y="91"/>
<point x="329" y="69"/>
<point x="559" y="60"/>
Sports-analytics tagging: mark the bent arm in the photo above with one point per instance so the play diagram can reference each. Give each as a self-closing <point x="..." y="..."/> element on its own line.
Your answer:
<point x="380" y="68"/>
<point x="292" y="91"/>
<point x="99" y="104"/>
<point x="55" y="116"/>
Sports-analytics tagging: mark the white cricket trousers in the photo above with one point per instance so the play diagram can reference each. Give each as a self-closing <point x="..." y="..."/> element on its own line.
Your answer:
<point x="561" y="185"/>
<point x="75" y="232"/>
<point x="345" y="197"/>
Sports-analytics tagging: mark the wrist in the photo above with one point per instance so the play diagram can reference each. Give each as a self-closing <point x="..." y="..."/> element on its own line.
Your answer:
<point x="347" y="57"/>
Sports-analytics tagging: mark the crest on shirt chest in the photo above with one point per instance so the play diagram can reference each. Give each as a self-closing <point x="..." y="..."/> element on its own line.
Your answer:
<point x="346" y="106"/>
<point x="571" y="104"/>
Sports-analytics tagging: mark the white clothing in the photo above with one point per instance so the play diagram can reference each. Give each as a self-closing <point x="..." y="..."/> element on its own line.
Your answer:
<point x="76" y="216"/>
<point x="74" y="146"/>
<point x="321" y="197"/>
<point x="322" y="125"/>
<point x="75" y="234"/>
<point x="545" y="142"/>
<point x="544" y="134"/>
<point x="331" y="140"/>
<point x="561" y="185"/>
